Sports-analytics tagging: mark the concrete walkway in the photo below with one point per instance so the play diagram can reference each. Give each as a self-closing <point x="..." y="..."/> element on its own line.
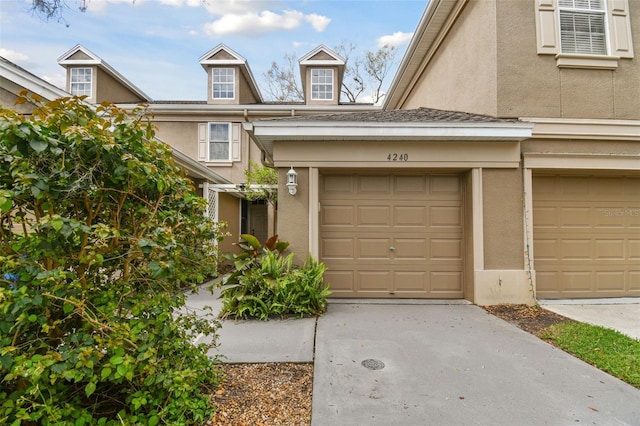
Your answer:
<point x="429" y="364"/>
<point x="621" y="314"/>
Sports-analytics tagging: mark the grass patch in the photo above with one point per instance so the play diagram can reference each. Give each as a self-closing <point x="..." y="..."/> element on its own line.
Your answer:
<point x="608" y="350"/>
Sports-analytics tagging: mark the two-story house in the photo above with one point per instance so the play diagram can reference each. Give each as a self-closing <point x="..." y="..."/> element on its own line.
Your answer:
<point x="209" y="132"/>
<point x="533" y="190"/>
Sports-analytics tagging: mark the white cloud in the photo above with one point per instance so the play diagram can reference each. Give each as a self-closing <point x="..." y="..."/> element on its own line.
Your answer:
<point x="265" y="21"/>
<point x="99" y="6"/>
<point x="13" y="56"/>
<point x="395" y="39"/>
<point x="318" y="22"/>
<point x="58" y="79"/>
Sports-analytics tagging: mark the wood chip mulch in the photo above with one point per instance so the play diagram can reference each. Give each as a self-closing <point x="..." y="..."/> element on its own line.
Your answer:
<point x="532" y="319"/>
<point x="271" y="394"/>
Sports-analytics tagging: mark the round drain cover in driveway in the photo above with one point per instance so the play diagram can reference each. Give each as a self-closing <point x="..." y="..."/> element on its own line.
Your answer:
<point x="373" y="364"/>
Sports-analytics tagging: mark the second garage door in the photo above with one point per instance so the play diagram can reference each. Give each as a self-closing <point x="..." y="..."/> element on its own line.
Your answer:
<point x="586" y="236"/>
<point x="392" y="235"/>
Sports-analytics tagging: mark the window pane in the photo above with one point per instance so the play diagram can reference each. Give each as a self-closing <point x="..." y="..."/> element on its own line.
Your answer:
<point x="80" y="81"/>
<point x="223" y="83"/>
<point x="218" y="141"/>
<point x="321" y="84"/>
<point x="582" y="33"/>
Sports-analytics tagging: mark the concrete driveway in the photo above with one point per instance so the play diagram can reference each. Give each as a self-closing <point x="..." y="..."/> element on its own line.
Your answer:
<point x="453" y="365"/>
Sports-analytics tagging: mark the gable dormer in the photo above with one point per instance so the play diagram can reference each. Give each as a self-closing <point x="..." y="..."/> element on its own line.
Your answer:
<point x="88" y="75"/>
<point x="229" y="78"/>
<point x="321" y="72"/>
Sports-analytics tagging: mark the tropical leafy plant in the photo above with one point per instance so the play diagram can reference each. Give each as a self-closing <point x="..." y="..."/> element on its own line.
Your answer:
<point x="265" y="282"/>
<point x="100" y="235"/>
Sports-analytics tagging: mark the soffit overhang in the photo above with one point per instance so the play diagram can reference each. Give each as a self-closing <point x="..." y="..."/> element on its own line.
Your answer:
<point x="29" y="81"/>
<point x="436" y="21"/>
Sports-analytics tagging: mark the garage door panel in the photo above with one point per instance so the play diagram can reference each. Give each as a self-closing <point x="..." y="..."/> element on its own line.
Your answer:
<point x="414" y="249"/>
<point x="575" y="217"/>
<point x="410" y="187"/>
<point x="545" y="217"/>
<point x="375" y="186"/>
<point x="410" y="216"/>
<point x="446" y="283"/>
<point x="340" y="281"/>
<point x="445" y="186"/>
<point x="337" y="186"/>
<point x="445" y="216"/>
<point x="410" y="281"/>
<point x="445" y="249"/>
<point x="405" y="227"/>
<point x="337" y="248"/>
<point x="576" y="249"/>
<point x="586" y="237"/>
<point x="373" y="248"/>
<point x="337" y="216"/>
<point x="634" y="250"/>
<point x="373" y="216"/>
<point x="373" y="281"/>
<point x="610" y="249"/>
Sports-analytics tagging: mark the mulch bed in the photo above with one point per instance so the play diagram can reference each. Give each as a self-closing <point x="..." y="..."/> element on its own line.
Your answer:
<point x="532" y="319"/>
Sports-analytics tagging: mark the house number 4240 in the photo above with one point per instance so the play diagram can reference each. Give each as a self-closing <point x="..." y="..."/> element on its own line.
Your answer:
<point x="398" y="157"/>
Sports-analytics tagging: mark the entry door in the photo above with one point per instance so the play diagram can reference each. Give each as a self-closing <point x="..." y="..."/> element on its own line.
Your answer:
<point x="392" y="235"/>
<point x="258" y="225"/>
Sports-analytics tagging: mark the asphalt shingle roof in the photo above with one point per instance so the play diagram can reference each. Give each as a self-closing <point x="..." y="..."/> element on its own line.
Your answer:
<point x="419" y="115"/>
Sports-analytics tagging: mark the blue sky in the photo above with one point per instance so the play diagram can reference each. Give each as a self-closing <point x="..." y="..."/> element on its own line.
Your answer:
<point x="156" y="44"/>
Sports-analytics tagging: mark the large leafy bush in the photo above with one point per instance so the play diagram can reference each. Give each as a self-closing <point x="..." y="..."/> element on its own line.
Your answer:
<point x="100" y="235"/>
<point x="265" y="283"/>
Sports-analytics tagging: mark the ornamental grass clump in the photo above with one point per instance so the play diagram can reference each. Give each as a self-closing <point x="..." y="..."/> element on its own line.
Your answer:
<point x="100" y="236"/>
<point x="265" y="283"/>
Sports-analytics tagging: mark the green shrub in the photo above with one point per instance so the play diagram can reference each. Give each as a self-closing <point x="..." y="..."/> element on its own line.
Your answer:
<point x="100" y="234"/>
<point x="265" y="283"/>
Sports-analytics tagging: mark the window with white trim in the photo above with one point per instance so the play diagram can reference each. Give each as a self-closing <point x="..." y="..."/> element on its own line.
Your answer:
<point x="584" y="33"/>
<point x="322" y="84"/>
<point x="81" y="80"/>
<point x="219" y="142"/>
<point x="224" y="83"/>
<point x="583" y="26"/>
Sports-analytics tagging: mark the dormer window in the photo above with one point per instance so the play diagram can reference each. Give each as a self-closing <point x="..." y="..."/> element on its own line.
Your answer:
<point x="81" y="81"/>
<point x="582" y="27"/>
<point x="223" y="81"/>
<point x="322" y="84"/>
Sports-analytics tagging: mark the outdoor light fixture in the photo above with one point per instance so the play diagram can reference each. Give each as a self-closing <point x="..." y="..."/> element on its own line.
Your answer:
<point x="292" y="181"/>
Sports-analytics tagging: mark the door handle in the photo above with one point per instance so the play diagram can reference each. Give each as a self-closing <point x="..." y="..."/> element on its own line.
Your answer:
<point x="392" y="248"/>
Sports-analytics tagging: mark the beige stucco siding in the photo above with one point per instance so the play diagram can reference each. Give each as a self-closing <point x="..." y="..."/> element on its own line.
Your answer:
<point x="462" y="74"/>
<point x="532" y="85"/>
<point x="293" y="214"/>
<point x="8" y="97"/>
<point x="503" y="223"/>
<point x="108" y="89"/>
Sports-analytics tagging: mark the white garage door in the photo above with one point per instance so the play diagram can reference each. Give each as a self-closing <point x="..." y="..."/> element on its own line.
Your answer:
<point x="394" y="235"/>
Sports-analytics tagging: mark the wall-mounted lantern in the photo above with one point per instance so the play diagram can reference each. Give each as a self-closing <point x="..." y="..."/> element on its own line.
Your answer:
<point x="292" y="181"/>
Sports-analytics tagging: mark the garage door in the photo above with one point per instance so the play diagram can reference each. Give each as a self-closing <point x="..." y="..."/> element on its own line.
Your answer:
<point x="586" y="236"/>
<point x="395" y="235"/>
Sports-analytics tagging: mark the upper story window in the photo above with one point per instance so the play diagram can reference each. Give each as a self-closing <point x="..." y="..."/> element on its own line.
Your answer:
<point x="582" y="26"/>
<point x="592" y="34"/>
<point x="81" y="80"/>
<point x="219" y="141"/>
<point x="322" y="84"/>
<point x="224" y="83"/>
